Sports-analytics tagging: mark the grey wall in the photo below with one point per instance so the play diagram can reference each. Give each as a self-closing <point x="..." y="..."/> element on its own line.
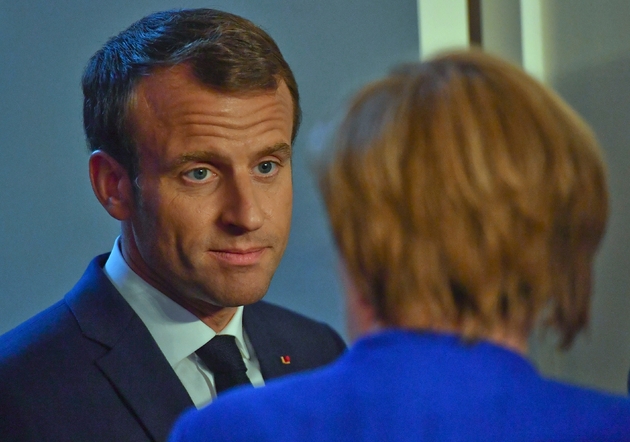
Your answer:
<point x="50" y="223"/>
<point x="587" y="58"/>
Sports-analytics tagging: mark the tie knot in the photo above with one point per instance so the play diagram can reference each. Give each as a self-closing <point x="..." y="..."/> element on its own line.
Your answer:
<point x="221" y="354"/>
<point x="224" y="360"/>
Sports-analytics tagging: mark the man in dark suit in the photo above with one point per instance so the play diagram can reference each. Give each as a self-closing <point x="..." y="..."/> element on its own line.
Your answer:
<point x="191" y="116"/>
<point x="467" y="201"/>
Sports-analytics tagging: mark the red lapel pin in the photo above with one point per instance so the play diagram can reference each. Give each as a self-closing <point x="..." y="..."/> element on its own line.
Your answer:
<point x="286" y="360"/>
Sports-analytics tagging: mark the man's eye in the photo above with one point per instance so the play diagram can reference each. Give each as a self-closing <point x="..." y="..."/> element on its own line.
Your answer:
<point x="198" y="174"/>
<point x="267" y="167"/>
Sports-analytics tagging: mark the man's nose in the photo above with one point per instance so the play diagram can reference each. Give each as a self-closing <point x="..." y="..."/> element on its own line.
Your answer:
<point x="242" y="211"/>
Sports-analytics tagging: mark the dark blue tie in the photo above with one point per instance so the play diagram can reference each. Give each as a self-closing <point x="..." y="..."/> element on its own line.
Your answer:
<point x="224" y="360"/>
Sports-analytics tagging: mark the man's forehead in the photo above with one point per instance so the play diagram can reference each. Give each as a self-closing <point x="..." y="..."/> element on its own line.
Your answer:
<point x="169" y="86"/>
<point x="173" y="111"/>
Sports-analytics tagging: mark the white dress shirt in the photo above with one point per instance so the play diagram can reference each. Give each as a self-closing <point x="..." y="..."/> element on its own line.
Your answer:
<point x="177" y="332"/>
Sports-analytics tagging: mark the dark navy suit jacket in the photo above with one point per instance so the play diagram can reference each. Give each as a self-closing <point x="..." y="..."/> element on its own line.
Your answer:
<point x="87" y="369"/>
<point x="412" y="386"/>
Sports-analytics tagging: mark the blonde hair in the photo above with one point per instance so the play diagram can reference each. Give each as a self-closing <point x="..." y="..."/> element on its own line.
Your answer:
<point x="464" y="194"/>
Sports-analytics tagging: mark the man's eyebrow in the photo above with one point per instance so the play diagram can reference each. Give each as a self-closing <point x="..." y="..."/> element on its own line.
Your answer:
<point x="197" y="157"/>
<point x="278" y="148"/>
<point x="283" y="149"/>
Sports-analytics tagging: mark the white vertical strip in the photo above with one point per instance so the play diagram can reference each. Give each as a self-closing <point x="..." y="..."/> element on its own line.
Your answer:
<point x="532" y="38"/>
<point x="442" y="24"/>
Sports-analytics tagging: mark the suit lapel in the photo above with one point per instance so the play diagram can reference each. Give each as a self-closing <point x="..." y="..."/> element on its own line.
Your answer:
<point x="134" y="364"/>
<point x="145" y="380"/>
<point x="270" y="347"/>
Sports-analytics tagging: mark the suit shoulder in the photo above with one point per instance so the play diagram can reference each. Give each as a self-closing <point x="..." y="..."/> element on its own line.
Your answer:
<point x="285" y="317"/>
<point x="37" y="333"/>
<point x="285" y="322"/>
<point x="273" y="310"/>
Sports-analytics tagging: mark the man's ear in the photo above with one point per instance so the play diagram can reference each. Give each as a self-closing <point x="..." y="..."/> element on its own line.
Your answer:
<point x="111" y="185"/>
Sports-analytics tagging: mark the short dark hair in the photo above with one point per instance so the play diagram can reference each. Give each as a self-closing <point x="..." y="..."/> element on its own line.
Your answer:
<point x="226" y="52"/>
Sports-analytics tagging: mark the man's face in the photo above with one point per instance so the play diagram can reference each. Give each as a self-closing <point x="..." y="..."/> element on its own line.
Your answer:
<point x="212" y="216"/>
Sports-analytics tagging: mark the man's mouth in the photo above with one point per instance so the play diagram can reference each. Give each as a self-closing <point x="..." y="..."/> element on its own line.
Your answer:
<point x="239" y="257"/>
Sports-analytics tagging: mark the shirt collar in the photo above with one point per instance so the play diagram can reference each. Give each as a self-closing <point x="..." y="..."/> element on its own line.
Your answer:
<point x="177" y="332"/>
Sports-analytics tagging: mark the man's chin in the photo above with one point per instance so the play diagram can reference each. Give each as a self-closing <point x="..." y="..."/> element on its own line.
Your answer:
<point x="241" y="300"/>
<point x="233" y="298"/>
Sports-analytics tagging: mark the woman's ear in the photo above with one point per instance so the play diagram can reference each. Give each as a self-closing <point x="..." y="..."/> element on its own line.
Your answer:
<point x="111" y="185"/>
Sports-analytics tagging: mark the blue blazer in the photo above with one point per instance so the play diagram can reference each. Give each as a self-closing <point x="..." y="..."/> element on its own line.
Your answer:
<point x="87" y="369"/>
<point x="412" y="386"/>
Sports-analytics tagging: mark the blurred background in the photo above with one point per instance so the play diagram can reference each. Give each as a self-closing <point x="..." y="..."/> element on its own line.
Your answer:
<point x="51" y="225"/>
